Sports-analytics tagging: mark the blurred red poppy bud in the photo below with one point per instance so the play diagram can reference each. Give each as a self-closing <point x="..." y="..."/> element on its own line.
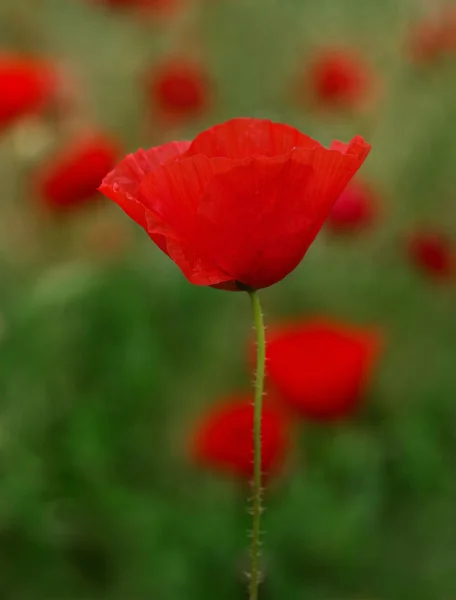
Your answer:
<point x="426" y="43"/>
<point x="338" y="78"/>
<point x="434" y="37"/>
<point x="320" y="368"/>
<point x="72" y="175"/>
<point x="354" y="210"/>
<point x="178" y="88"/>
<point x="27" y="86"/>
<point x="223" y="438"/>
<point x="153" y="5"/>
<point x="432" y="253"/>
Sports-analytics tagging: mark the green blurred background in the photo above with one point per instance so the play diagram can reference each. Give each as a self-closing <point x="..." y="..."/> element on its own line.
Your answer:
<point x="107" y="354"/>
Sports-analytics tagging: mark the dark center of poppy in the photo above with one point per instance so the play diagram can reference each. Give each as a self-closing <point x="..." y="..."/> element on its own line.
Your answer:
<point x="242" y="287"/>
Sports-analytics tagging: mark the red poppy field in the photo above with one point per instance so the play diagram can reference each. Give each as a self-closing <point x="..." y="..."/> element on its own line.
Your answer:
<point x="161" y="161"/>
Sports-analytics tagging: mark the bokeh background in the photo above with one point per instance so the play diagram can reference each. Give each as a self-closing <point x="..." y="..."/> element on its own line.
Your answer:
<point x="108" y="356"/>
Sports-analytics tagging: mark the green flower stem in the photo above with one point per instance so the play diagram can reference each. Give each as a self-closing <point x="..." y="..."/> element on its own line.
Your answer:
<point x="255" y="575"/>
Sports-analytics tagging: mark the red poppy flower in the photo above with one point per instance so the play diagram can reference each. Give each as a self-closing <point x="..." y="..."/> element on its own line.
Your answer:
<point x="450" y="29"/>
<point x="339" y="78"/>
<point x="433" y="253"/>
<point x="354" y="210"/>
<point x="179" y="88"/>
<point x="241" y="204"/>
<point x="161" y="6"/>
<point x="223" y="439"/>
<point x="435" y="37"/>
<point x="426" y="42"/>
<point x="320" y="368"/>
<point x="27" y="85"/>
<point x="73" y="175"/>
<point x="155" y="5"/>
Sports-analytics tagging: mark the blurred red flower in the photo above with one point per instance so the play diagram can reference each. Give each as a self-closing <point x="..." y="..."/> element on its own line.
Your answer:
<point x="27" y="86"/>
<point x="223" y="439"/>
<point x="320" y="368"/>
<point x="240" y="205"/>
<point x="425" y="43"/>
<point x="155" y="5"/>
<point x="434" y="37"/>
<point x="72" y="176"/>
<point x="338" y="78"/>
<point x="178" y="88"/>
<point x="354" y="210"/>
<point x="433" y="253"/>
<point x="449" y="33"/>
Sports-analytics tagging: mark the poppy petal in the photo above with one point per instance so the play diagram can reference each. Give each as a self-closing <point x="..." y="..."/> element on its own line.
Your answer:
<point x="356" y="147"/>
<point x="257" y="220"/>
<point x="171" y="196"/>
<point x="244" y="138"/>
<point x="121" y="185"/>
